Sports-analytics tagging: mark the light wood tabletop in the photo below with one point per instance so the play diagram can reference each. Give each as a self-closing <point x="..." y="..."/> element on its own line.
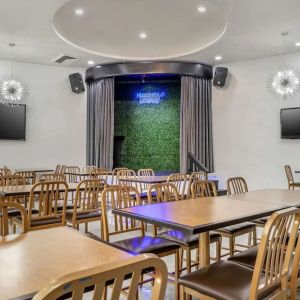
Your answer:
<point x="205" y="214"/>
<point x="32" y="260"/>
<point x="146" y="179"/>
<point x="36" y="170"/>
<point x="23" y="190"/>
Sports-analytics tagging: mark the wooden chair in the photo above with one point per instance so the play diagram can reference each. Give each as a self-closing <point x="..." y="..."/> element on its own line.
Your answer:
<point x="195" y="176"/>
<point x="166" y="192"/>
<point x="88" y="169"/>
<point x="87" y="205"/>
<point x="4" y="171"/>
<point x="231" y="232"/>
<point x="180" y="181"/>
<point x="114" y="175"/>
<point x="5" y="208"/>
<point x="206" y="188"/>
<point x="11" y="180"/>
<point x="52" y="177"/>
<point x="269" y="277"/>
<point x="145" y="173"/>
<point x="57" y="169"/>
<point x="99" y="173"/>
<point x="72" y="178"/>
<point x="131" y="269"/>
<point x="290" y="178"/>
<point x="51" y="208"/>
<point x="29" y="176"/>
<point x="236" y="185"/>
<point x="127" y="196"/>
<point x="127" y="174"/>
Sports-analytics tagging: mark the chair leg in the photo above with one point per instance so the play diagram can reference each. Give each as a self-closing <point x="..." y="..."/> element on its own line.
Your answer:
<point x="86" y="227"/>
<point x="176" y="274"/>
<point x="182" y="293"/>
<point x="218" y="249"/>
<point x="231" y="245"/>
<point x="250" y="239"/>
<point x="254" y="237"/>
<point x="188" y="260"/>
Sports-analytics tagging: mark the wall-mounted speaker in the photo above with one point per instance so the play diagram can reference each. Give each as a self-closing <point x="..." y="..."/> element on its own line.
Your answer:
<point x="77" y="84"/>
<point x="220" y="76"/>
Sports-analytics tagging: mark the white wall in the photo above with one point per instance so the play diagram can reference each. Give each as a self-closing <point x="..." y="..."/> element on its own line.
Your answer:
<point x="247" y="126"/>
<point x="56" y="119"/>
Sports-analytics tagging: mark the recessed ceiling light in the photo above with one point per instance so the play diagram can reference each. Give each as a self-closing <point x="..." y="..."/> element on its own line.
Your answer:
<point x="218" y="57"/>
<point x="90" y="62"/>
<point x="297" y="44"/>
<point x="79" y="11"/>
<point x="201" y="9"/>
<point x="143" y="35"/>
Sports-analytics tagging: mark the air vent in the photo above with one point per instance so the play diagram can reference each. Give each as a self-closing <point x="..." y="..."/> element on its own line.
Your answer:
<point x="64" y="59"/>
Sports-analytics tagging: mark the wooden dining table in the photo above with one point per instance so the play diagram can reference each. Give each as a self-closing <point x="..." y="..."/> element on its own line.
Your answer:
<point x="24" y="190"/>
<point x="31" y="261"/>
<point x="36" y="170"/>
<point x="201" y="215"/>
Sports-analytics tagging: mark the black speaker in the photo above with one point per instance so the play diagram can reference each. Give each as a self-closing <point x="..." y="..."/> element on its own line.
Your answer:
<point x="76" y="83"/>
<point x="220" y="76"/>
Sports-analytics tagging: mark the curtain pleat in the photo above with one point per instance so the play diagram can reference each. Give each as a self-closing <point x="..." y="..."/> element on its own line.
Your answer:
<point x="100" y="123"/>
<point x="196" y="122"/>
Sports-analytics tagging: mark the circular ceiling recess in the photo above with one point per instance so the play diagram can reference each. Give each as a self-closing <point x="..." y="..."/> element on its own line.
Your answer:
<point x="140" y="29"/>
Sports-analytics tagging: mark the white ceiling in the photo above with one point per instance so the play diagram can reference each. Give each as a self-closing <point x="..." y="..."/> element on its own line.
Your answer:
<point x="253" y="30"/>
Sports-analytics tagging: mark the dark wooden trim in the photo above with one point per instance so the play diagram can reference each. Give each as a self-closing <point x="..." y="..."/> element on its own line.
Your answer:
<point x="140" y="68"/>
<point x="201" y="228"/>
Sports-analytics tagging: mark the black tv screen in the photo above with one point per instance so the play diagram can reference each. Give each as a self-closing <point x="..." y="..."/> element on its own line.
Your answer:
<point x="290" y="123"/>
<point x="12" y="122"/>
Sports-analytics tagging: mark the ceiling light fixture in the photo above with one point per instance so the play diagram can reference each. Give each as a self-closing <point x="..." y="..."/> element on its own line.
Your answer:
<point x="297" y="44"/>
<point x="79" y="11"/>
<point x="285" y="82"/>
<point x="90" y="62"/>
<point x="11" y="89"/>
<point x="218" y="57"/>
<point x="143" y="35"/>
<point x="201" y="9"/>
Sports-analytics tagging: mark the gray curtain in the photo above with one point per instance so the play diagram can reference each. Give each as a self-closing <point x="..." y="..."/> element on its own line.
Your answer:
<point x="100" y="123"/>
<point x="196" y="122"/>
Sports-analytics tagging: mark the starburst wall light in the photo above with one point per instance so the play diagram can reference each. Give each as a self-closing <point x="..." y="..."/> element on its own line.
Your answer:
<point x="11" y="90"/>
<point x="285" y="83"/>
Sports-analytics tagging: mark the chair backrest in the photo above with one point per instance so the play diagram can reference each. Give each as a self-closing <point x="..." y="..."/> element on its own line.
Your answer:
<point x="29" y="176"/>
<point x="13" y="180"/>
<point x="88" y="169"/>
<point x="4" y="223"/>
<point x="57" y="169"/>
<point x="5" y="171"/>
<point x="162" y="192"/>
<point x="180" y="181"/>
<point x="236" y="185"/>
<point x="48" y="195"/>
<point x="198" y="176"/>
<point x="52" y="177"/>
<point x="126" y="174"/>
<point x="205" y="188"/>
<point x="114" y="175"/>
<point x="72" y="178"/>
<point x="145" y="173"/>
<point x="99" y="173"/>
<point x="275" y="253"/>
<point x="62" y="169"/>
<point x="289" y="174"/>
<point x="112" y="275"/>
<point x="118" y="197"/>
<point x="88" y="195"/>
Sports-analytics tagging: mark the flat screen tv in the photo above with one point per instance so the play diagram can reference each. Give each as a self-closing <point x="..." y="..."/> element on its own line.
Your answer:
<point x="290" y="123"/>
<point x="12" y="122"/>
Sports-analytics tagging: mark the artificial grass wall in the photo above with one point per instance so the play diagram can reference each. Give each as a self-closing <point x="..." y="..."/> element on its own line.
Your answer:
<point x="151" y="131"/>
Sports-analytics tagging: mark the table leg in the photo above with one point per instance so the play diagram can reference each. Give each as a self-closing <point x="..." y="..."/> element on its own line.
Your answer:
<point x="204" y="249"/>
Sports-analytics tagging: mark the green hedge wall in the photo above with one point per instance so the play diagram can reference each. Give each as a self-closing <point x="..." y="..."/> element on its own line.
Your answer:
<point x="152" y="131"/>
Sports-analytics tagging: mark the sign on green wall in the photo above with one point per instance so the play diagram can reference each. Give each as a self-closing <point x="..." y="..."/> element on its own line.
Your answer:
<point x="148" y="116"/>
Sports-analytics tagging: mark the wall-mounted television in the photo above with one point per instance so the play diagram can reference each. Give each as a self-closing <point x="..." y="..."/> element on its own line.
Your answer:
<point x="290" y="123"/>
<point x="12" y="122"/>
